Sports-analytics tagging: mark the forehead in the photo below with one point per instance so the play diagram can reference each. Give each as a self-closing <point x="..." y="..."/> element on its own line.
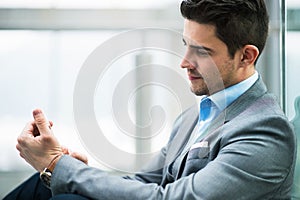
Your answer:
<point x="200" y="34"/>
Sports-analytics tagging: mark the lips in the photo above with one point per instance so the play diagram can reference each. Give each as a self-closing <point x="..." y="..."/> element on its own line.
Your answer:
<point x="194" y="77"/>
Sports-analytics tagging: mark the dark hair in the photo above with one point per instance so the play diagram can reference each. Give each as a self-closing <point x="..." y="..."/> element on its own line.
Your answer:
<point x="237" y="22"/>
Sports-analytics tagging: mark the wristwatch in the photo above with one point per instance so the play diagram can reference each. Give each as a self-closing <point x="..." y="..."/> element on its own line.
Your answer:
<point x="46" y="174"/>
<point x="45" y="177"/>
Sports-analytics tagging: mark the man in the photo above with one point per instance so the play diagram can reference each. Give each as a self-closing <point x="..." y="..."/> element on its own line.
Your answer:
<point x="240" y="147"/>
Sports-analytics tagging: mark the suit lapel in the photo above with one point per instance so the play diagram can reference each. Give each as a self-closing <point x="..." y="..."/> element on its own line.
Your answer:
<point x="186" y="125"/>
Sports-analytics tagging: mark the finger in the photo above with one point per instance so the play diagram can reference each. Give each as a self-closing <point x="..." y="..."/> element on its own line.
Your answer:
<point x="21" y="155"/>
<point x="80" y="156"/>
<point x="65" y="150"/>
<point x="28" y="130"/>
<point x="18" y="147"/>
<point x="41" y="122"/>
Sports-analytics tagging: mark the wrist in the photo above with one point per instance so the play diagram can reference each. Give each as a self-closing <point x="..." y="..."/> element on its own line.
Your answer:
<point x="46" y="174"/>
<point x="53" y="162"/>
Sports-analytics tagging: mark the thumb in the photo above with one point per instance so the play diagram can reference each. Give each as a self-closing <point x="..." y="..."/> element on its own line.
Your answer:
<point x="41" y="122"/>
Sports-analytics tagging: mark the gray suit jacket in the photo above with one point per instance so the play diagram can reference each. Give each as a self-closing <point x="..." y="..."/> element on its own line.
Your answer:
<point x="248" y="152"/>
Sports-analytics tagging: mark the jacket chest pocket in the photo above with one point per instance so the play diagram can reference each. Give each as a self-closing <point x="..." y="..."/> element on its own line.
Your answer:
<point x="196" y="160"/>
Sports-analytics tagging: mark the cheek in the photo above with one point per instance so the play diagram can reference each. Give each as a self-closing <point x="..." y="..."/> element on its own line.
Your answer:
<point x="216" y="74"/>
<point x="228" y="72"/>
<point x="205" y="65"/>
<point x="209" y="69"/>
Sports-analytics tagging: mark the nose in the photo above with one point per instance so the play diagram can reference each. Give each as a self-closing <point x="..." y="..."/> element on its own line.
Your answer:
<point x="186" y="63"/>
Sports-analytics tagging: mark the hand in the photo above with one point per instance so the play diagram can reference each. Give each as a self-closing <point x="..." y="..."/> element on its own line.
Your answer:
<point x="36" y="144"/>
<point x="78" y="156"/>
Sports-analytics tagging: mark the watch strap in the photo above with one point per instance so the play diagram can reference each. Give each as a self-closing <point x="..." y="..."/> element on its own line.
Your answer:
<point x="46" y="174"/>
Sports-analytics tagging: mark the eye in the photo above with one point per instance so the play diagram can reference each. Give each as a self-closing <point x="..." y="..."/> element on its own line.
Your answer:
<point x="202" y="52"/>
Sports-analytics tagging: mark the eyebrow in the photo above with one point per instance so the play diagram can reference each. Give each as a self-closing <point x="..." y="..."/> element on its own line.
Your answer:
<point x="198" y="47"/>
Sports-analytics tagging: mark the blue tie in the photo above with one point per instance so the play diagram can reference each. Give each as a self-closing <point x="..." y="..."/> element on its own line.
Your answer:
<point x="205" y="106"/>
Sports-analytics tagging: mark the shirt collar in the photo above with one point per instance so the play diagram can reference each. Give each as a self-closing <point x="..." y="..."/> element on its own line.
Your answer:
<point x="224" y="98"/>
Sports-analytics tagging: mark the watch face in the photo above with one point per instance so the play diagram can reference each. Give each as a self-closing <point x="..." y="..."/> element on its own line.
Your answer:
<point x="45" y="176"/>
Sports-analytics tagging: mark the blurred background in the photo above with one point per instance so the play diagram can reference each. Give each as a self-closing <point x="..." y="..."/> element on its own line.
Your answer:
<point x="43" y="45"/>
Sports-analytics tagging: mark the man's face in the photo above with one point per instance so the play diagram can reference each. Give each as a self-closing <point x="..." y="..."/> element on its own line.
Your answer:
<point x="209" y="65"/>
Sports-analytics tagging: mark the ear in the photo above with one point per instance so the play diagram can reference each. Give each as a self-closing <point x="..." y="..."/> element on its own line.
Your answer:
<point x="249" y="55"/>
